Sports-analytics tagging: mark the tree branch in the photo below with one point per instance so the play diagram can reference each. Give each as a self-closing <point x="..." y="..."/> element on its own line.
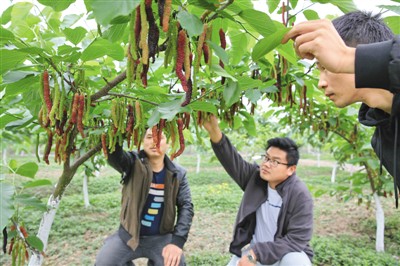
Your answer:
<point x="86" y="156"/>
<point x="104" y="91"/>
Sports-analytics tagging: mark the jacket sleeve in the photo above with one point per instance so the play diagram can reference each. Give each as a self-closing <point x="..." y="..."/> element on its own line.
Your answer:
<point x="121" y="160"/>
<point x="299" y="227"/>
<point x="373" y="64"/>
<point x="185" y="213"/>
<point x="234" y="164"/>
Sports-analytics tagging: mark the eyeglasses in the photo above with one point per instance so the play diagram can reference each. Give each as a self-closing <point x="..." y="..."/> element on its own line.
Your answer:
<point x="273" y="163"/>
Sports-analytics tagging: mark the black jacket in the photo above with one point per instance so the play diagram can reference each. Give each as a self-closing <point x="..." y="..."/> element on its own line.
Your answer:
<point x="136" y="177"/>
<point x="377" y="65"/>
<point x="295" y="221"/>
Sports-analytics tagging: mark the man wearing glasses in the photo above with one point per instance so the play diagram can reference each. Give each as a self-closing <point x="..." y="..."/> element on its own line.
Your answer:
<point x="275" y="219"/>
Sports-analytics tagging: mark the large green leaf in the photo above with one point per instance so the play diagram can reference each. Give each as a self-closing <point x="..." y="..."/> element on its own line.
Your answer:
<point x="249" y="124"/>
<point x="267" y="44"/>
<point x="232" y="92"/>
<point x="219" y="71"/>
<point x="35" y="242"/>
<point x="115" y="32"/>
<point x="260" y="21"/>
<point x="101" y="47"/>
<point x="272" y="5"/>
<point x="221" y="53"/>
<point x="57" y="5"/>
<point x="9" y="59"/>
<point x="394" y="23"/>
<point x="37" y="183"/>
<point x="311" y="14"/>
<point x="246" y="82"/>
<point x="7" y="192"/>
<point x="345" y="6"/>
<point x="239" y="43"/>
<point x="27" y="169"/>
<point x="203" y="106"/>
<point x="75" y="35"/>
<point x="21" y="85"/>
<point x="395" y="9"/>
<point x="190" y="23"/>
<point x="6" y="35"/>
<point x="105" y="11"/>
<point x="28" y="200"/>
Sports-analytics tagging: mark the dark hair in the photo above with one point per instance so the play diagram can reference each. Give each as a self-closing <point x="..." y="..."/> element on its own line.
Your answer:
<point x="287" y="145"/>
<point x="361" y="27"/>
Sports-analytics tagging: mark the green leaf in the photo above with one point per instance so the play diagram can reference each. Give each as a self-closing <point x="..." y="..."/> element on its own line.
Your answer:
<point x="203" y="106"/>
<point x="57" y="5"/>
<point x="218" y="70"/>
<point x="239" y="44"/>
<point x="253" y="95"/>
<point x="190" y="23"/>
<point x="311" y="14"/>
<point x="267" y="44"/>
<point x="395" y="9"/>
<point x="101" y="47"/>
<point x="7" y="192"/>
<point x="69" y="20"/>
<point x="28" y="200"/>
<point x="115" y="32"/>
<point x="9" y="59"/>
<point x="345" y="6"/>
<point x="287" y="50"/>
<point x="221" y="53"/>
<point x="394" y="23"/>
<point x="246" y="82"/>
<point x="35" y="242"/>
<point x="37" y="183"/>
<point x="231" y="92"/>
<point x="105" y="11"/>
<point x="249" y="124"/>
<point x="75" y="35"/>
<point x="260" y="21"/>
<point x="21" y="85"/>
<point x="6" y="16"/>
<point x="28" y="169"/>
<point x="6" y="35"/>
<point x="272" y="5"/>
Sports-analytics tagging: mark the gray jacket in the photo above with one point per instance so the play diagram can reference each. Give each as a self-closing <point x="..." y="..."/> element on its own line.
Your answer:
<point x="136" y="177"/>
<point x="295" y="221"/>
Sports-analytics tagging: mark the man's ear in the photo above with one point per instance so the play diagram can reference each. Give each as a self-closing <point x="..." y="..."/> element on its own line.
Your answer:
<point x="292" y="169"/>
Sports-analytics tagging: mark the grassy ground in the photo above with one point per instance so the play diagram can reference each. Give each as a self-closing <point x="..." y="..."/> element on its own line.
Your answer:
<point x="344" y="232"/>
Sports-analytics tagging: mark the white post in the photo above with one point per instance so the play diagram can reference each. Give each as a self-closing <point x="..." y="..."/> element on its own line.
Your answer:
<point x="380" y="225"/>
<point x="198" y="163"/>
<point x="334" y="168"/>
<point x="44" y="229"/>
<point x="85" y="191"/>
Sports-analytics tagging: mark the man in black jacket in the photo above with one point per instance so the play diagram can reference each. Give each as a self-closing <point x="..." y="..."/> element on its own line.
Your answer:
<point x="155" y="191"/>
<point x="276" y="213"/>
<point x="362" y="44"/>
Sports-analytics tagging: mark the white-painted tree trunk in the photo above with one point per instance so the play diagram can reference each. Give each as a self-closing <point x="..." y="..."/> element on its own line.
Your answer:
<point x="198" y="163"/>
<point x="85" y="191"/>
<point x="44" y="229"/>
<point x="380" y="225"/>
<point x="334" y="169"/>
<point x="318" y="158"/>
<point x="5" y="156"/>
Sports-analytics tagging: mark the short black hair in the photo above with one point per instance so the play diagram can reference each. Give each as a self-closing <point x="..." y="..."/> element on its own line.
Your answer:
<point x="287" y="145"/>
<point x="361" y="27"/>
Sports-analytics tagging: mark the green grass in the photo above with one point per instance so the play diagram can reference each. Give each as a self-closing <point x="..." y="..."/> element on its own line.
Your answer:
<point x="78" y="232"/>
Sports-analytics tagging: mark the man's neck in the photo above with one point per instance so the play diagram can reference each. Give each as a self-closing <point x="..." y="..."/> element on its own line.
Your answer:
<point x="157" y="164"/>
<point x="377" y="98"/>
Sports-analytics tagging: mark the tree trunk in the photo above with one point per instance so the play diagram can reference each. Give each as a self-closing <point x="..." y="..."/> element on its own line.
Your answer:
<point x="380" y="225"/>
<point x="85" y="191"/>
<point x="198" y="163"/>
<point x="44" y="229"/>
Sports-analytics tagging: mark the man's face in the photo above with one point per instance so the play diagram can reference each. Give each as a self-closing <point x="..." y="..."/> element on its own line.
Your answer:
<point x="279" y="173"/>
<point x="150" y="147"/>
<point x="339" y="88"/>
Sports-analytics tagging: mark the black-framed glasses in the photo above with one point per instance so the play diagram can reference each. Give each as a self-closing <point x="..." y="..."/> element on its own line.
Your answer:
<point x="272" y="162"/>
